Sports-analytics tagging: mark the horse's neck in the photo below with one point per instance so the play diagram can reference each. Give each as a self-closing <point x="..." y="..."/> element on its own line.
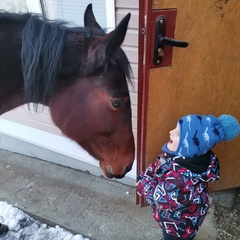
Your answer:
<point x="10" y="49"/>
<point x="11" y="80"/>
<point x="11" y="101"/>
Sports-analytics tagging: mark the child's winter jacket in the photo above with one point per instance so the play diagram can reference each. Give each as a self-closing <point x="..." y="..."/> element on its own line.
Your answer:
<point x="177" y="191"/>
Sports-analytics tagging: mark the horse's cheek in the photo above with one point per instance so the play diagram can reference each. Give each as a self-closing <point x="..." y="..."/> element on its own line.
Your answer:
<point x="75" y="117"/>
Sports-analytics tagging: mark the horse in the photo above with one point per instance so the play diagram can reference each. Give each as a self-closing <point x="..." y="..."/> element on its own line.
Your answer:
<point x="80" y="73"/>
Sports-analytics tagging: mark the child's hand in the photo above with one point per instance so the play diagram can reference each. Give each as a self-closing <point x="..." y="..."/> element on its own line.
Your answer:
<point x="137" y="187"/>
<point x="139" y="194"/>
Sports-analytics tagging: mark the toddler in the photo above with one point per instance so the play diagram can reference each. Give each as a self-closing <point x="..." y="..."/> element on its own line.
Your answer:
<point x="176" y="184"/>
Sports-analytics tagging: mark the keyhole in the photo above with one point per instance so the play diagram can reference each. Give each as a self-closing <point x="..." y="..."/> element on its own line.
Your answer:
<point x="160" y="52"/>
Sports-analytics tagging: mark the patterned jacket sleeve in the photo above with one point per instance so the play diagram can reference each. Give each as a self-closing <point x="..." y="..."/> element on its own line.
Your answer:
<point x="147" y="181"/>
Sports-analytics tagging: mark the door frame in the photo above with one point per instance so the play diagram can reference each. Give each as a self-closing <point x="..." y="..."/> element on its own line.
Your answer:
<point x="144" y="40"/>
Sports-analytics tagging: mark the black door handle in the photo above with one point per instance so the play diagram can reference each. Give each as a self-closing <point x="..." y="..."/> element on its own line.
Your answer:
<point x="161" y="41"/>
<point x="172" y="42"/>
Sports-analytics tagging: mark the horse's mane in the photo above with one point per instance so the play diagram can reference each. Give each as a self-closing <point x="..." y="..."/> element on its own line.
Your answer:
<point x="13" y="17"/>
<point x="42" y="45"/>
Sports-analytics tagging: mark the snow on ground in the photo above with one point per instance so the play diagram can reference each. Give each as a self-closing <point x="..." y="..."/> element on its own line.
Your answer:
<point x="22" y="226"/>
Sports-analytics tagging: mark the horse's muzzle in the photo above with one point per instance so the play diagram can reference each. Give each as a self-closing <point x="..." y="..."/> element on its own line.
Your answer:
<point x="111" y="175"/>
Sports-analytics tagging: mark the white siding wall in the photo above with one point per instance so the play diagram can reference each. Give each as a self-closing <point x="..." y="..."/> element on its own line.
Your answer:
<point x="20" y="6"/>
<point x="130" y="46"/>
<point x="72" y="10"/>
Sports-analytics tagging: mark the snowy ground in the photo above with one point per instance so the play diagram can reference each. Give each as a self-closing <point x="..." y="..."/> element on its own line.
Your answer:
<point x="22" y="226"/>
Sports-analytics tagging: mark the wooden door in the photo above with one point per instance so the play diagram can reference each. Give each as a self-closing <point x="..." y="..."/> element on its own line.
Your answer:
<point x="203" y="78"/>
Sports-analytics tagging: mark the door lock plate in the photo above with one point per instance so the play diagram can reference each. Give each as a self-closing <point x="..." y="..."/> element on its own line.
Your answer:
<point x="162" y="34"/>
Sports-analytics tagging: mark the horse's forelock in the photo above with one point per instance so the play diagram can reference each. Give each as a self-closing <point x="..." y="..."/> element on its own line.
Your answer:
<point x="120" y="59"/>
<point x="102" y="64"/>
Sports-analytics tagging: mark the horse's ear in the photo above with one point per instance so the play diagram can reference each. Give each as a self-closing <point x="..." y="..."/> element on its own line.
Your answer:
<point x="89" y="18"/>
<point x="115" y="38"/>
<point x="109" y="43"/>
<point x="103" y="47"/>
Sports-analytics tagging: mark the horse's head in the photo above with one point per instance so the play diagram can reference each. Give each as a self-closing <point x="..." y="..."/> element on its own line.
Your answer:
<point x="94" y="109"/>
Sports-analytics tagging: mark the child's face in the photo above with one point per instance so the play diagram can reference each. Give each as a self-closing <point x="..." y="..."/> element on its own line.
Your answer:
<point x="174" y="139"/>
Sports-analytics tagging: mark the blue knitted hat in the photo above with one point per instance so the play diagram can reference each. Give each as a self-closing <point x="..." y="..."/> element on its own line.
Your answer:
<point x="200" y="133"/>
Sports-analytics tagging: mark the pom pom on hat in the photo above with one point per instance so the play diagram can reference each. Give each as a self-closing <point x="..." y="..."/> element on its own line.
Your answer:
<point x="230" y="126"/>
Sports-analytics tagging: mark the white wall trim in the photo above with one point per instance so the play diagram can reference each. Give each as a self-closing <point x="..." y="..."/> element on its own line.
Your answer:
<point x="110" y="15"/>
<point x="34" y="6"/>
<point x="62" y="146"/>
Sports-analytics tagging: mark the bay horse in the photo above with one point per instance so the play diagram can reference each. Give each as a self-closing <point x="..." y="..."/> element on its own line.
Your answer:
<point x="80" y="73"/>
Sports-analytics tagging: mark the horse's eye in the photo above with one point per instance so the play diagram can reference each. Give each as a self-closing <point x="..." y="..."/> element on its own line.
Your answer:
<point x="118" y="103"/>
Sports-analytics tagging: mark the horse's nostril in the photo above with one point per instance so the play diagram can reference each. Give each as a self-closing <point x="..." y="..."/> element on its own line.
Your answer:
<point x="128" y="168"/>
<point x="109" y="172"/>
